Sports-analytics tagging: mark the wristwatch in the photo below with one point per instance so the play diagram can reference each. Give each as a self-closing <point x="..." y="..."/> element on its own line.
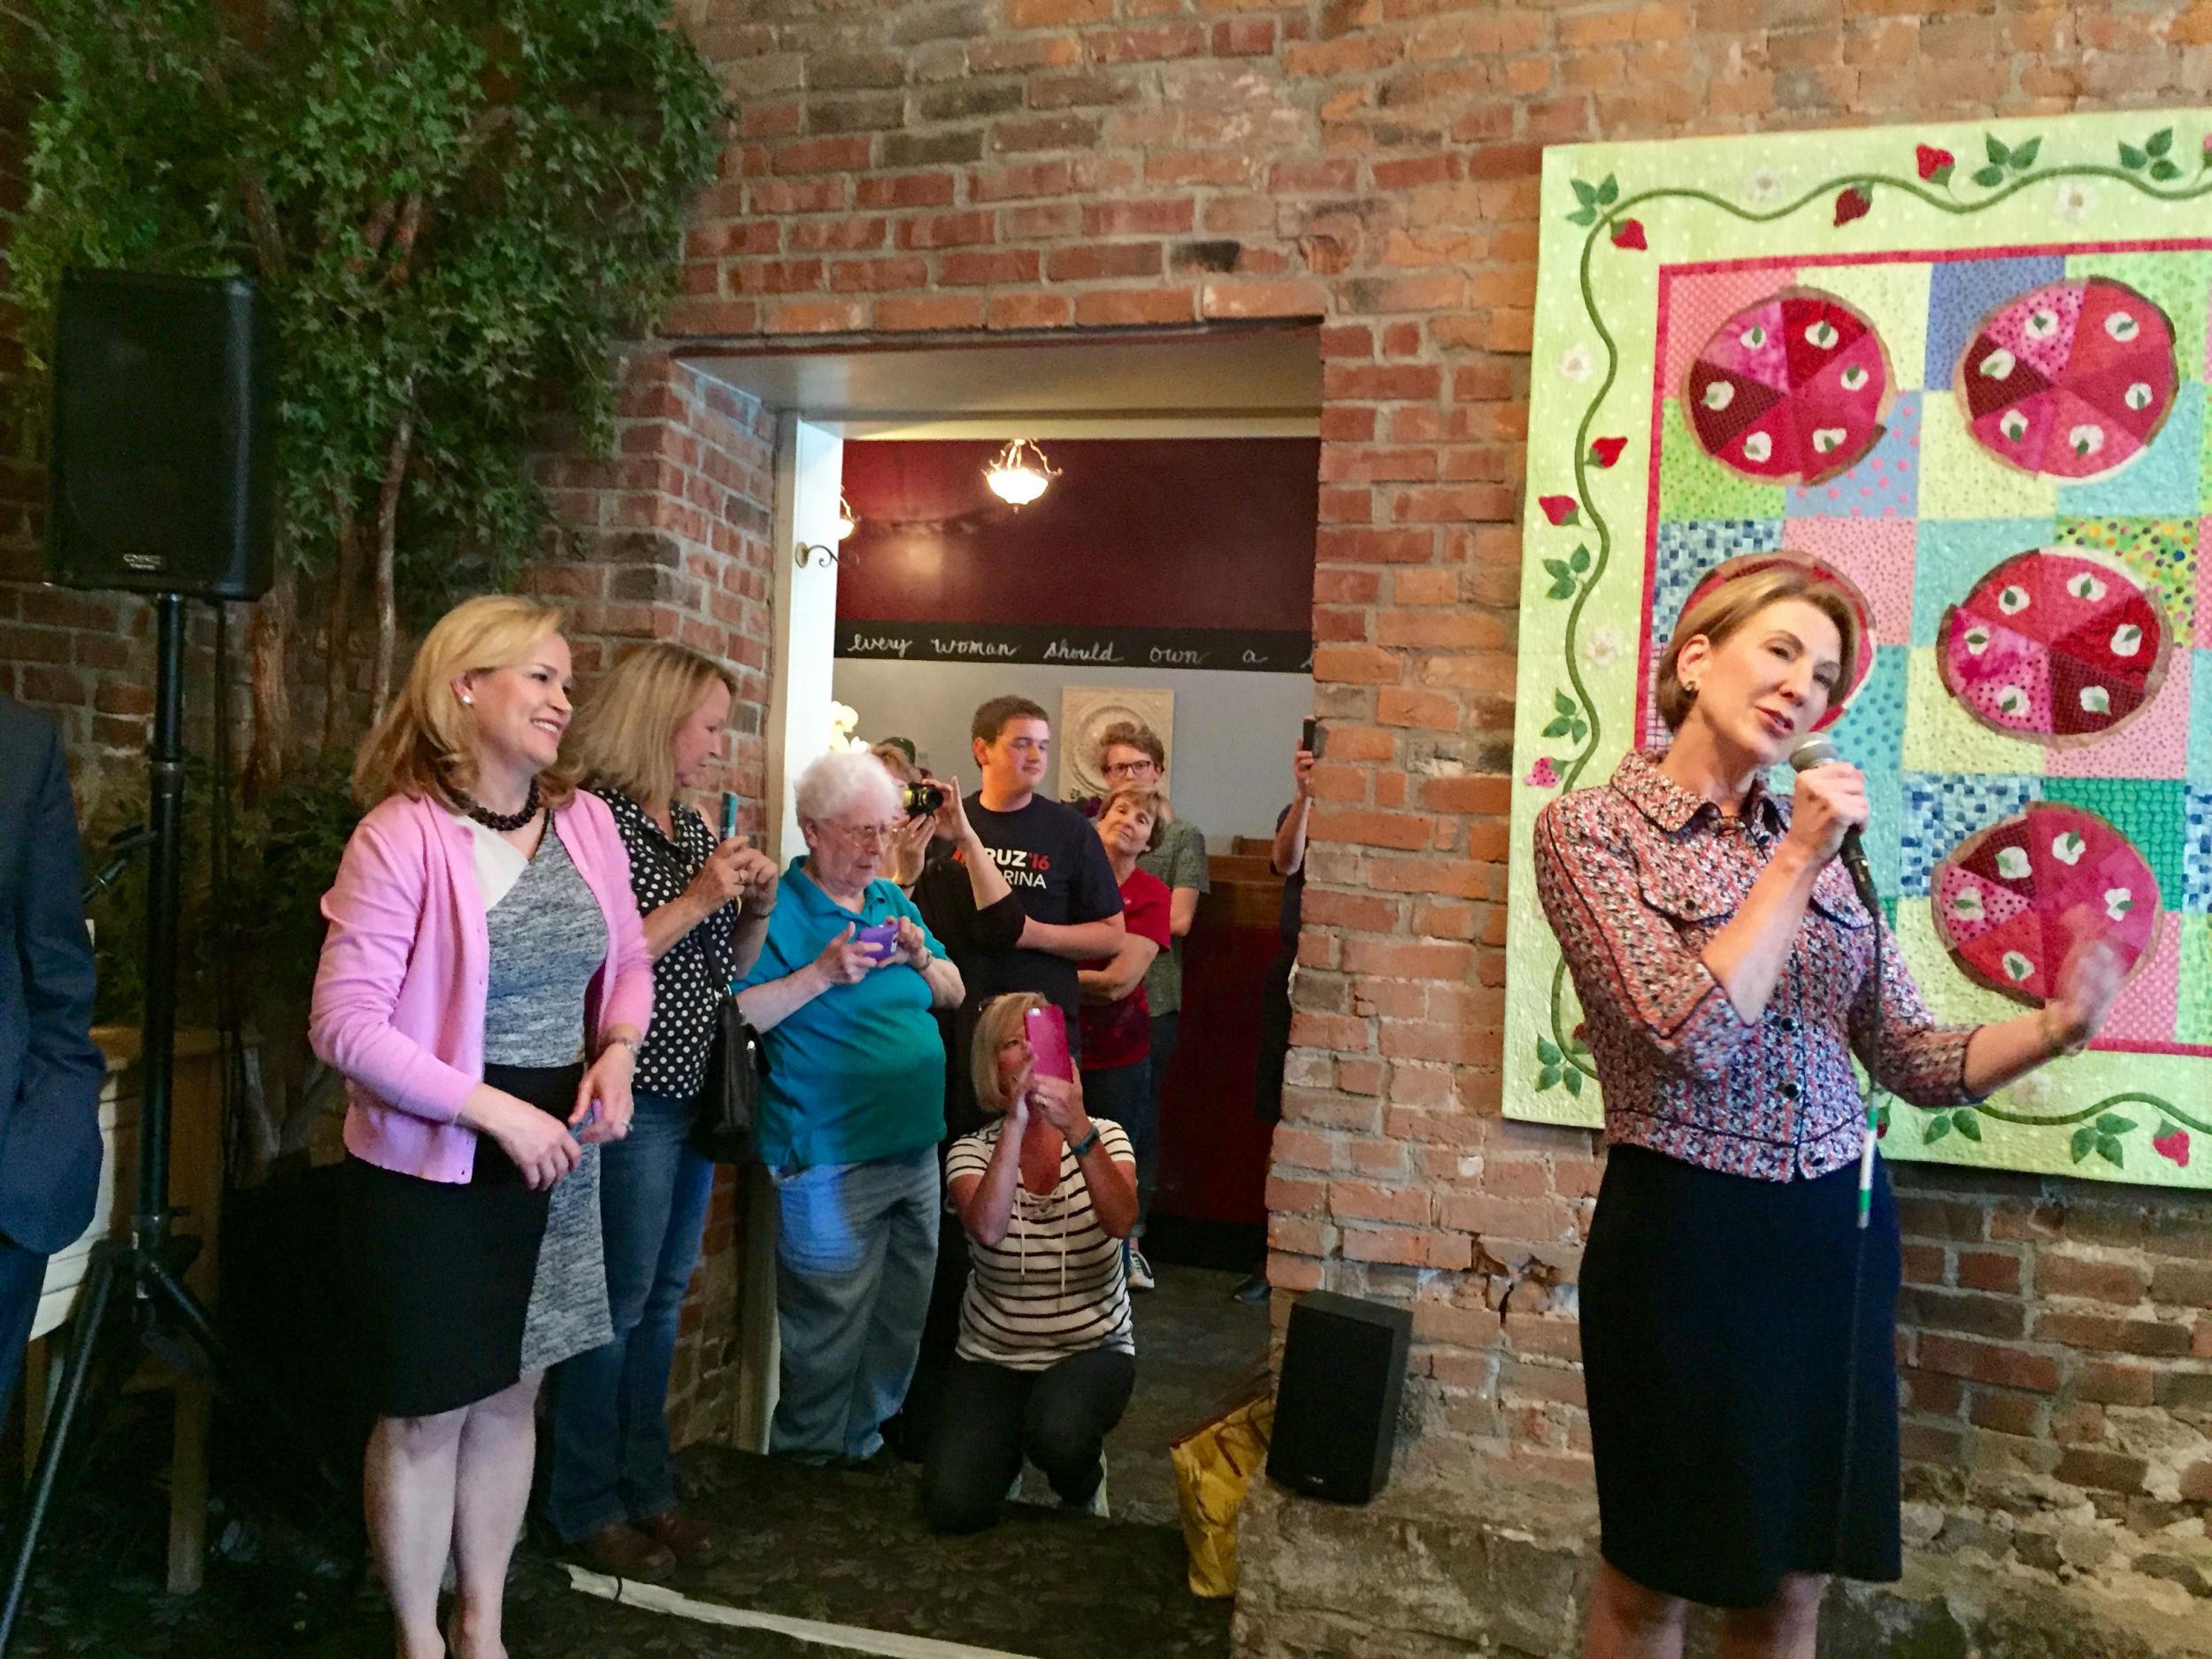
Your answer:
<point x="1083" y="1147"/>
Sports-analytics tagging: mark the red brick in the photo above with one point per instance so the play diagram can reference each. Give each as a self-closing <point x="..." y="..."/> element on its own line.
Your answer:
<point x="930" y="312"/>
<point x="969" y="269"/>
<point x="944" y="230"/>
<point x="2119" y="1282"/>
<point x="1982" y="1362"/>
<point x="1149" y="305"/>
<point x="1094" y="260"/>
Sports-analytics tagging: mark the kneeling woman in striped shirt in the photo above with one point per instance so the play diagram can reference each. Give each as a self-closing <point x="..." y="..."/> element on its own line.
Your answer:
<point x="1047" y="1355"/>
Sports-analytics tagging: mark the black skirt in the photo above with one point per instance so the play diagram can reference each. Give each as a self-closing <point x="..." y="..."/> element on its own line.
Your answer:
<point x="440" y="1271"/>
<point x="1718" y="1356"/>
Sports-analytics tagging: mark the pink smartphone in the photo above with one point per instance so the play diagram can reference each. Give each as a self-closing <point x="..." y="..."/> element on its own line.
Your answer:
<point x="1047" y="1029"/>
<point x="881" y="940"/>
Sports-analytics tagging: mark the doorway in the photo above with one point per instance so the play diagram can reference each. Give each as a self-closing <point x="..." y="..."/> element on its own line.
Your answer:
<point x="1235" y="720"/>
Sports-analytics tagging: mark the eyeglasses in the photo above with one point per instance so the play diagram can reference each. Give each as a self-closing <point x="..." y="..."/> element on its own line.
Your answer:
<point x="865" y="835"/>
<point x="1130" y="768"/>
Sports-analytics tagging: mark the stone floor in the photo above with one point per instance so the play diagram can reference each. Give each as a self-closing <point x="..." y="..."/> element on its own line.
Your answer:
<point x="843" y="1548"/>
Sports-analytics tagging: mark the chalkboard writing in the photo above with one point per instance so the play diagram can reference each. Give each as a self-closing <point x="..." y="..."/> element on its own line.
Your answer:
<point x="1241" y="650"/>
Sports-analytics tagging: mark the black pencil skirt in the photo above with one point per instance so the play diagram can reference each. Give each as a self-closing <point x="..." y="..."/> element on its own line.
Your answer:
<point x="440" y="1271"/>
<point x="1717" y="1354"/>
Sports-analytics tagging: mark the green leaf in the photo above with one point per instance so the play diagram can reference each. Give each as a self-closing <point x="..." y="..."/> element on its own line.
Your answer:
<point x="1557" y="728"/>
<point x="1998" y="154"/>
<point x="2085" y="1142"/>
<point x="1608" y="192"/>
<point x="1583" y="216"/>
<point x="1989" y="175"/>
<point x="1938" y="1128"/>
<point x="2165" y="171"/>
<point x="1575" y="730"/>
<point x="2131" y="159"/>
<point x="1546" y="1051"/>
<point x="1547" y="1078"/>
<point x="2113" y="1124"/>
<point x="1586" y="193"/>
<point x="1556" y="569"/>
<point x="1967" y="1123"/>
<point x="2111" y="1151"/>
<point x="1564" y="703"/>
<point x="2159" y="143"/>
<point x="2023" y="157"/>
<point x="1562" y="589"/>
<point x="1579" y="560"/>
<point x="1574" y="1081"/>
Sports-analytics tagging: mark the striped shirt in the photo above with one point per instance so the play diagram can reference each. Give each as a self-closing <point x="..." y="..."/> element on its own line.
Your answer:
<point x="1054" y="1286"/>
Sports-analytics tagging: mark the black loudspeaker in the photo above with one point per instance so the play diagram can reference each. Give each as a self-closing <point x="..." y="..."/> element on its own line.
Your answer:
<point x="160" y="471"/>
<point x="1336" y="1407"/>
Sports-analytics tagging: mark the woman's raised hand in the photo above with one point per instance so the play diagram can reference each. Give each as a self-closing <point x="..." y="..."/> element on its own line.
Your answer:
<point x="1829" y="800"/>
<point x="2088" y="981"/>
<point x="1060" y="1102"/>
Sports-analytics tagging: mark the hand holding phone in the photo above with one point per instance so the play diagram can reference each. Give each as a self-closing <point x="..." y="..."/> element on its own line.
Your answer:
<point x="881" y="940"/>
<point x="1311" y="737"/>
<point x="1046" y="1029"/>
<point x="729" y="813"/>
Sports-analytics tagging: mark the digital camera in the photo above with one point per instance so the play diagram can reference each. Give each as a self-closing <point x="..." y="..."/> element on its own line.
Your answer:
<point x="922" y="799"/>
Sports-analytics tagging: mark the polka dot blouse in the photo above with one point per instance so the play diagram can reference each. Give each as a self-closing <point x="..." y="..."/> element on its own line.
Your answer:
<point x="690" y="979"/>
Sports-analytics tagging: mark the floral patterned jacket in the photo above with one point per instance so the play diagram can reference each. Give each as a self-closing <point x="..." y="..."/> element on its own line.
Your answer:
<point x="1636" y="879"/>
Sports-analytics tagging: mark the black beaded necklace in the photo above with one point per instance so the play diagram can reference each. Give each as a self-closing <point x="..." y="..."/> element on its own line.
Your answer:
<point x="505" y="823"/>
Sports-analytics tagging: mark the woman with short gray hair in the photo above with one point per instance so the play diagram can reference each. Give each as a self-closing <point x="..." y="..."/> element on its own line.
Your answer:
<point x="853" y="1112"/>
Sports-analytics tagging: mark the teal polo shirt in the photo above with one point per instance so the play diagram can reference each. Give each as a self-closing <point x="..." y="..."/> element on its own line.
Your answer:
<point x="859" y="1071"/>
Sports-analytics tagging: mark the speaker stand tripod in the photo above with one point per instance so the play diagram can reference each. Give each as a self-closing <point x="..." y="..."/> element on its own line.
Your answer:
<point x="135" y="1282"/>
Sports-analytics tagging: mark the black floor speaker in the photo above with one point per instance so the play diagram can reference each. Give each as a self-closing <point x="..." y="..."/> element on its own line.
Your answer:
<point x="160" y="470"/>
<point x="1336" y="1407"/>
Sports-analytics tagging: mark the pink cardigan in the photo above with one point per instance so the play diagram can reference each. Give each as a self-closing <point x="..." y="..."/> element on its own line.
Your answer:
<point x="399" y="994"/>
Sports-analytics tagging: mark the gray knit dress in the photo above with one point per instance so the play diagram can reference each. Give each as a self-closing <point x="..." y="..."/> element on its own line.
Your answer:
<point x="548" y="937"/>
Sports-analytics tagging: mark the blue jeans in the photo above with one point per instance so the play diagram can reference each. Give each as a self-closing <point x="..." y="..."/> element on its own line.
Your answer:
<point x="855" y="1257"/>
<point x="1122" y="1095"/>
<point x="610" y="1414"/>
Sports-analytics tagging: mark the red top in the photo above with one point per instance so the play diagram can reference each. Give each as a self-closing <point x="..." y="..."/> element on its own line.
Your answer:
<point x="1636" y="879"/>
<point x="1120" y="1033"/>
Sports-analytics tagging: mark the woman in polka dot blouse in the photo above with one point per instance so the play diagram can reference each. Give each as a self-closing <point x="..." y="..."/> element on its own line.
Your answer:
<point x="655" y="729"/>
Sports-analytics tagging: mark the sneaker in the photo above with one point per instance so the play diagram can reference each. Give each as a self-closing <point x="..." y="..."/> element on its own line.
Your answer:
<point x="1255" y="1288"/>
<point x="1140" y="1270"/>
<point x="1095" y="1504"/>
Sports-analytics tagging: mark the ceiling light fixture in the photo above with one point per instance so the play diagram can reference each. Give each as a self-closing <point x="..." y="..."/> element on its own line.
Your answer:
<point x="1020" y="473"/>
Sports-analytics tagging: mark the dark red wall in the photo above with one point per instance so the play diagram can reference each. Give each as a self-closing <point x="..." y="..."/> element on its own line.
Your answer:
<point x="1135" y="533"/>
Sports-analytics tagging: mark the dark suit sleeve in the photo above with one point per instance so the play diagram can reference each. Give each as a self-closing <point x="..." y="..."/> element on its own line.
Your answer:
<point x="59" y="1097"/>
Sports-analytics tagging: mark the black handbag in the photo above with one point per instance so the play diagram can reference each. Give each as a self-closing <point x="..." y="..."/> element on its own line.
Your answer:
<point x="728" y="1108"/>
<point x="729" y="1100"/>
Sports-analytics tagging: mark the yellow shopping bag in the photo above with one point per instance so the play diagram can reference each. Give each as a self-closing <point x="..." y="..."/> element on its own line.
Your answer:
<point x="1215" y="1466"/>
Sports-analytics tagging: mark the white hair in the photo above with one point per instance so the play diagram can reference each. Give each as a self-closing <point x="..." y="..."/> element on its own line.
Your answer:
<point x="838" y="779"/>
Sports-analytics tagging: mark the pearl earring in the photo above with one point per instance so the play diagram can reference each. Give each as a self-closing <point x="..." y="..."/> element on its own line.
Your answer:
<point x="467" y="701"/>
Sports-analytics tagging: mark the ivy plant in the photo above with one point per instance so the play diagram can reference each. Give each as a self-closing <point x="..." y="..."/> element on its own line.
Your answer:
<point x="454" y="210"/>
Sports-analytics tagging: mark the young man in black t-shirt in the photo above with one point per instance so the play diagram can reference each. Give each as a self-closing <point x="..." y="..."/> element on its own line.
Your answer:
<point x="1051" y="859"/>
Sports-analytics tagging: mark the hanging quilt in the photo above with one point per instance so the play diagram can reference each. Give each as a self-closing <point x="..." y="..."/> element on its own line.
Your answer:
<point x="1963" y="368"/>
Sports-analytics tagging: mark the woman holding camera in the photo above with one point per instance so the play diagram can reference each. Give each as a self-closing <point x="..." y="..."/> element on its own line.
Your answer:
<point x="1739" y="1315"/>
<point x="653" y="729"/>
<point x="1048" y="1353"/>
<point x="483" y="989"/>
<point x="852" y="1113"/>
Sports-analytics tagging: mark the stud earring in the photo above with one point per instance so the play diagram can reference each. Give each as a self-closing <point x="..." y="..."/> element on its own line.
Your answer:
<point x="467" y="701"/>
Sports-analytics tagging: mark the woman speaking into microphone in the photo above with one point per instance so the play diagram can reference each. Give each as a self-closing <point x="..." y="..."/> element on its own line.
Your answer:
<point x="1737" y="1323"/>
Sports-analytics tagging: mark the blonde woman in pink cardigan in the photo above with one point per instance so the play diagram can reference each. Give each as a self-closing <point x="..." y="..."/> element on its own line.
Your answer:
<point x="483" y="987"/>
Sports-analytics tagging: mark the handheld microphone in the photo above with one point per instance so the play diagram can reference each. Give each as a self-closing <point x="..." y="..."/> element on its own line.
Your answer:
<point x="1813" y="749"/>
<point x="1816" y="748"/>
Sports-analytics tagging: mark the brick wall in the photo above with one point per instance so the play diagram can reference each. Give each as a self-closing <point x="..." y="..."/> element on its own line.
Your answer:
<point x="669" y="541"/>
<point x="908" y="169"/>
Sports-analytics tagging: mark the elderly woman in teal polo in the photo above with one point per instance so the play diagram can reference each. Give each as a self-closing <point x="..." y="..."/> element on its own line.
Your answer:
<point x="854" y="1110"/>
